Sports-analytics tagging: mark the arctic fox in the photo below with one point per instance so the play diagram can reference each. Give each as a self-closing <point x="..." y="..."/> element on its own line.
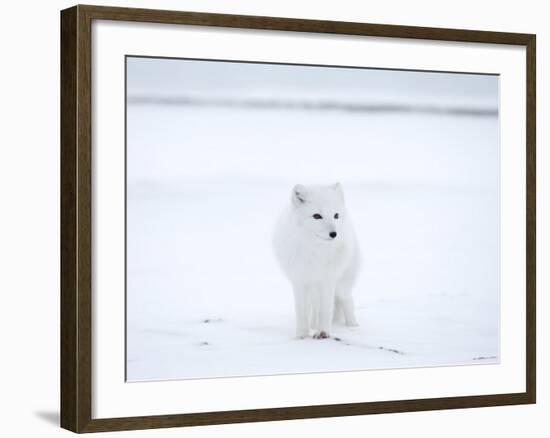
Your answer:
<point x="317" y="249"/>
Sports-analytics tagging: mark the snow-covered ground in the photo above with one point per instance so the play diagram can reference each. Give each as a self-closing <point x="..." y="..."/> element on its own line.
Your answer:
<point x="205" y="297"/>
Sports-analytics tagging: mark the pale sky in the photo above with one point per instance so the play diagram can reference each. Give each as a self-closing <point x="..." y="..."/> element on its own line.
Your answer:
<point x="152" y="76"/>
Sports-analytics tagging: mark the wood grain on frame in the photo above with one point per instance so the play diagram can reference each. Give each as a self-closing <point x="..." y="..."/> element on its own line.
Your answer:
<point x="76" y="219"/>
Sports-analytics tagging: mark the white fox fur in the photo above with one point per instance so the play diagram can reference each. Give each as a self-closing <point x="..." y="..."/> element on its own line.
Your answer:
<point x="317" y="249"/>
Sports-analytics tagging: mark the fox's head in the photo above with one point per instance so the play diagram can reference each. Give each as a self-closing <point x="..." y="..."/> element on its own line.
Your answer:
<point x="320" y="210"/>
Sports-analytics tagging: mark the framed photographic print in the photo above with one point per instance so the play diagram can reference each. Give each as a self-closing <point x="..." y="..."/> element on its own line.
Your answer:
<point x="271" y="218"/>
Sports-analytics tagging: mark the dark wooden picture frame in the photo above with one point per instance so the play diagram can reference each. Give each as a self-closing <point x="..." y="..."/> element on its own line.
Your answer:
<point x="76" y="218"/>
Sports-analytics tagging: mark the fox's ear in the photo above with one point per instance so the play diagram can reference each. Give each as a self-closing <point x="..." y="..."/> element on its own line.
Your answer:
<point x="339" y="189"/>
<point x="299" y="195"/>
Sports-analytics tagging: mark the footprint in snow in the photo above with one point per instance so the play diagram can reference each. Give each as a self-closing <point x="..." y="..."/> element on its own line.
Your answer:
<point x="211" y="320"/>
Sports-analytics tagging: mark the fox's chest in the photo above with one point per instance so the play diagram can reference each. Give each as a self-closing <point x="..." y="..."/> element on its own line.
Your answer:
<point x="317" y="261"/>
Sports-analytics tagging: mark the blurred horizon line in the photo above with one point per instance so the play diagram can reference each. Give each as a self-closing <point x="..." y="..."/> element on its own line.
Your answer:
<point x="320" y="105"/>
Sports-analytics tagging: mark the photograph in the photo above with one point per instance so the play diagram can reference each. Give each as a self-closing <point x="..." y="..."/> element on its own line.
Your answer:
<point x="296" y="218"/>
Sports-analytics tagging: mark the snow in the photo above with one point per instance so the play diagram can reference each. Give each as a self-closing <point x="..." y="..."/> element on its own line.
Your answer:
<point x="205" y="184"/>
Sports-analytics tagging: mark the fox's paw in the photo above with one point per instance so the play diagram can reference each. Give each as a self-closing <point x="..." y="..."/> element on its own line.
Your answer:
<point x="321" y="335"/>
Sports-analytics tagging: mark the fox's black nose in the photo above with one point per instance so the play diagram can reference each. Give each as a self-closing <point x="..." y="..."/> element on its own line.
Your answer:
<point x="333" y="234"/>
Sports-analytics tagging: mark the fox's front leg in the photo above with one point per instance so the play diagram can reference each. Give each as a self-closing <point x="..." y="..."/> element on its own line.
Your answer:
<point x="302" y="312"/>
<point x="314" y="309"/>
<point x="326" y="310"/>
<point x="345" y="299"/>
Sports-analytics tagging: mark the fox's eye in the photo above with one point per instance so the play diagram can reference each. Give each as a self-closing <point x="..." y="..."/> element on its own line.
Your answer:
<point x="317" y="216"/>
<point x="336" y="216"/>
